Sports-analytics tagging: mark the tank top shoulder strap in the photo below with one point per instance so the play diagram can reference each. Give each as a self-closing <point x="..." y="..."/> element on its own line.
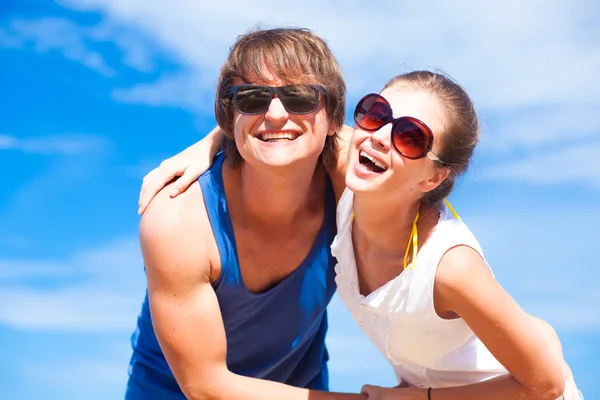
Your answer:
<point x="329" y="218"/>
<point x="213" y="191"/>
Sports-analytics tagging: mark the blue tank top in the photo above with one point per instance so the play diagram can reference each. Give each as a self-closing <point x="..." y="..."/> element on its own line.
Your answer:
<point x="277" y="335"/>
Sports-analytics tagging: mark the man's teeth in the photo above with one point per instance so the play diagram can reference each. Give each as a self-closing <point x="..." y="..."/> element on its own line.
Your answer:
<point x="374" y="161"/>
<point x="278" y="136"/>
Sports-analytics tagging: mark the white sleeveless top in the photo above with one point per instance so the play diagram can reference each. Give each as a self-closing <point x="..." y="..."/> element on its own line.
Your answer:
<point x="399" y="317"/>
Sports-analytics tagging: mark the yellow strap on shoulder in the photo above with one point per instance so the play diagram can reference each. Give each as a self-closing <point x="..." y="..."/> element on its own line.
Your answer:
<point x="451" y="209"/>
<point x="414" y="239"/>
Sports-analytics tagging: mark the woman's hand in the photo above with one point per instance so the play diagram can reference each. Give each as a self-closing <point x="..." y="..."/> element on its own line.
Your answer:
<point x="187" y="165"/>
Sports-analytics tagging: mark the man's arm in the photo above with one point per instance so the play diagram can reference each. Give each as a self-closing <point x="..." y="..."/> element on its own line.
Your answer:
<point x="185" y="311"/>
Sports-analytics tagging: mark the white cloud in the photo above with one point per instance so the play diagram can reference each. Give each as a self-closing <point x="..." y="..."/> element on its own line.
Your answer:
<point x="190" y="92"/>
<point x="52" y="34"/>
<point x="544" y="257"/>
<point x="529" y="66"/>
<point x="97" y="289"/>
<point x="510" y="54"/>
<point x="137" y="52"/>
<point x="83" y="308"/>
<point x="14" y="269"/>
<point x="93" y="372"/>
<point x="77" y="43"/>
<point x="8" y="40"/>
<point x="531" y="127"/>
<point x="584" y="317"/>
<point x="575" y="164"/>
<point x="66" y="144"/>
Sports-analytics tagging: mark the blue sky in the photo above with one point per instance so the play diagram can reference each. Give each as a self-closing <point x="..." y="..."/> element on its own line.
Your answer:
<point x="95" y="93"/>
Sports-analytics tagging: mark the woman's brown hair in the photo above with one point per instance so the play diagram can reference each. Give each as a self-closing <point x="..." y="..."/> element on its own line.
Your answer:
<point x="461" y="131"/>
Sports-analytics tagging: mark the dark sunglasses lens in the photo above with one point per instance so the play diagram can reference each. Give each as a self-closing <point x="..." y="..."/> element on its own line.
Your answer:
<point x="372" y="112"/>
<point x="299" y="99"/>
<point x="411" y="139"/>
<point x="253" y="99"/>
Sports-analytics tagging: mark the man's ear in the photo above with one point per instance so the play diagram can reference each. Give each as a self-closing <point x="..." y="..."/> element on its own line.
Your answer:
<point x="333" y="129"/>
<point x="434" y="180"/>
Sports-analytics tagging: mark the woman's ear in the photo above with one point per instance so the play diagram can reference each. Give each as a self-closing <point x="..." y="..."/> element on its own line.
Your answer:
<point x="434" y="180"/>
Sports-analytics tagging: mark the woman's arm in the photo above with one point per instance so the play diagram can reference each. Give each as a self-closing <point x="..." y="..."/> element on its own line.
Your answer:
<point x="187" y="165"/>
<point x="196" y="159"/>
<point x="465" y="286"/>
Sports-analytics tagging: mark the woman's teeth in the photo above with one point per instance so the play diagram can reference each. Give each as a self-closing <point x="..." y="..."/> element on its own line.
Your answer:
<point x="362" y="156"/>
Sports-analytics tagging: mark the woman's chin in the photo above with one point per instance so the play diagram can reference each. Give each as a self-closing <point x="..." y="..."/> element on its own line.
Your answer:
<point x="358" y="184"/>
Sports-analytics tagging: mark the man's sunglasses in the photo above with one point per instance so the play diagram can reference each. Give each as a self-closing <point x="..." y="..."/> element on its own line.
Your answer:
<point x="410" y="136"/>
<point x="297" y="99"/>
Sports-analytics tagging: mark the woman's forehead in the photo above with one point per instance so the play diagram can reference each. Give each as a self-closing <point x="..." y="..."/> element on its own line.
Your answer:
<point x="407" y="101"/>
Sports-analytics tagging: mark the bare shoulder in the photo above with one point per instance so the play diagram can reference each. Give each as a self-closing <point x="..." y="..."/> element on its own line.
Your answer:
<point x="178" y="214"/>
<point x="461" y="267"/>
<point x="174" y="232"/>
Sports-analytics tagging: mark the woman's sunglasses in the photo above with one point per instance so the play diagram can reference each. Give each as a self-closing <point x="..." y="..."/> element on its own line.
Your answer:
<point x="297" y="99"/>
<point x="410" y="136"/>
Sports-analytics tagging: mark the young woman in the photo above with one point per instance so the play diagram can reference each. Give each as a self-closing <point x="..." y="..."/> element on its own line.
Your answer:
<point x="409" y="270"/>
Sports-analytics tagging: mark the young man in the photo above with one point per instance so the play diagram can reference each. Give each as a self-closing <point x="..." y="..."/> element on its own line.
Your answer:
<point x="239" y="268"/>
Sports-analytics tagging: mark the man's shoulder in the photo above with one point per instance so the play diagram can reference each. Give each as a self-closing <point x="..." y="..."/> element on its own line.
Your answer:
<point x="169" y="234"/>
<point x="167" y="216"/>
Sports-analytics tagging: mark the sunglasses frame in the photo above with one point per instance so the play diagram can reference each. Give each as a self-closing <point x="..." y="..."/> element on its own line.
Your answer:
<point x="394" y="121"/>
<point x="273" y="90"/>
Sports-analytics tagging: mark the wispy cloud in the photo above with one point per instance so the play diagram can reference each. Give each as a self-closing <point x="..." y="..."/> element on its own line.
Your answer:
<point x="9" y="40"/>
<point x="92" y="290"/>
<point x="526" y="64"/>
<point x="180" y="91"/>
<point x="85" y="308"/>
<point x="51" y="34"/>
<point x="65" y="144"/>
<point x="542" y="264"/>
<point x="81" y="43"/>
<point x="575" y="164"/>
<point x="524" y="47"/>
<point x="91" y="367"/>
<point x="137" y="51"/>
<point x="89" y="373"/>
<point x="541" y="125"/>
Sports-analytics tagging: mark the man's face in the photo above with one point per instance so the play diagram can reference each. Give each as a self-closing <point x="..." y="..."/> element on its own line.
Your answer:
<point x="278" y="138"/>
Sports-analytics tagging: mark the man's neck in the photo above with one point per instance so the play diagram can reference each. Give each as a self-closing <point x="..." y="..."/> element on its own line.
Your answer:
<point x="270" y="196"/>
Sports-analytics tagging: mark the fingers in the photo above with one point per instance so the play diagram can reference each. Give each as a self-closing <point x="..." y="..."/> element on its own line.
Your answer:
<point x="367" y="389"/>
<point x="154" y="181"/>
<point x="183" y="183"/>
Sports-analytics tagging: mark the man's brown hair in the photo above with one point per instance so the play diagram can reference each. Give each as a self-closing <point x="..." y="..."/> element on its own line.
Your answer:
<point x="292" y="55"/>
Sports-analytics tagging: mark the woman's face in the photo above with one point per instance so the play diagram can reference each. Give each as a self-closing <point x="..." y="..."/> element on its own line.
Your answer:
<point x="374" y="165"/>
